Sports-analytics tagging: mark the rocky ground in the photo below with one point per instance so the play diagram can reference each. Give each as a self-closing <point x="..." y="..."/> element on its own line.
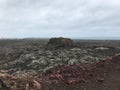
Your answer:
<point x="103" y="75"/>
<point x="31" y="57"/>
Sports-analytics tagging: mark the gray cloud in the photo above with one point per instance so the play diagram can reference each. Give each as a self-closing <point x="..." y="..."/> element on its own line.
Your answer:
<point x="70" y="18"/>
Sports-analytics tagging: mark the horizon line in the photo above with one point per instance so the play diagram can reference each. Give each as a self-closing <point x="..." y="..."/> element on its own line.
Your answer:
<point x="83" y="38"/>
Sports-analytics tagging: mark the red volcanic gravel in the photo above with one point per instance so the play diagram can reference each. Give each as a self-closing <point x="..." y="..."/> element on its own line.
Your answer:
<point x="96" y="72"/>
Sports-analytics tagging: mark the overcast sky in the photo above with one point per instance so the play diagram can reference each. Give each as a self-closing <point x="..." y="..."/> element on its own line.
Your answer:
<point x="55" y="18"/>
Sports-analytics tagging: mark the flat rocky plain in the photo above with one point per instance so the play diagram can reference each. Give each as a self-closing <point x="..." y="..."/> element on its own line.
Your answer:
<point x="29" y="64"/>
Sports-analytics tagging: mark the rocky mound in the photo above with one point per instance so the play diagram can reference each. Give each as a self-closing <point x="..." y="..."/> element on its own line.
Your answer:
<point x="60" y="42"/>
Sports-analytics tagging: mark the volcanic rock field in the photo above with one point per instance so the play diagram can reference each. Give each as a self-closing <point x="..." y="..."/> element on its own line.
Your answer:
<point x="67" y="64"/>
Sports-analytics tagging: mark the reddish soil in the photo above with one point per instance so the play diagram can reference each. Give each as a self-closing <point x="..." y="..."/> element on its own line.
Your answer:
<point x="104" y="75"/>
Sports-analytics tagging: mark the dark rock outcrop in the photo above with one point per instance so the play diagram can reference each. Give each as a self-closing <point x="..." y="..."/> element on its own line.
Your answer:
<point x="60" y="42"/>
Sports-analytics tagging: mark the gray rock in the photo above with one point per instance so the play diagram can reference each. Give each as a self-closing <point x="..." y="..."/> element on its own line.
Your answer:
<point x="101" y="48"/>
<point x="30" y="56"/>
<point x="75" y="49"/>
<point x="41" y="62"/>
<point x="83" y="61"/>
<point x="73" y="61"/>
<point x="48" y="68"/>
